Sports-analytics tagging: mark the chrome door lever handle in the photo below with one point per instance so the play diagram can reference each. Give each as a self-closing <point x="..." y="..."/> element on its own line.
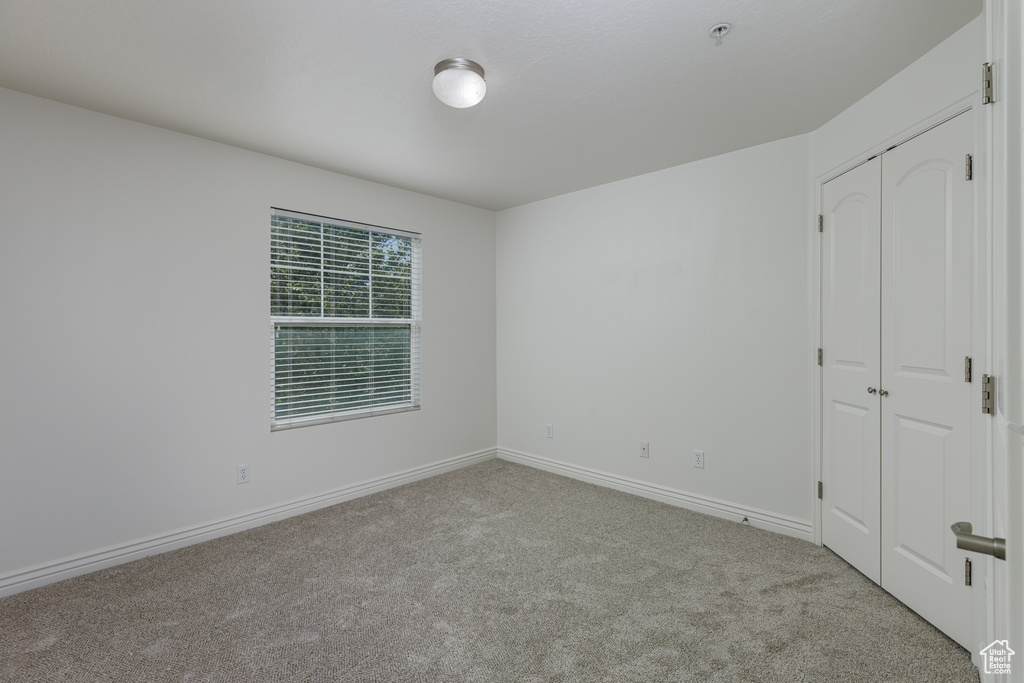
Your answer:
<point x="965" y="540"/>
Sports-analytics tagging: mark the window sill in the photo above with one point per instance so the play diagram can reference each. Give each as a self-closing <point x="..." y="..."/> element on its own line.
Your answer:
<point x="343" y="417"/>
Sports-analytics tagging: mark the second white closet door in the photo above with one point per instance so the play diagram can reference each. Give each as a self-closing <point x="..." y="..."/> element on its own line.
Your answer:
<point x="926" y="335"/>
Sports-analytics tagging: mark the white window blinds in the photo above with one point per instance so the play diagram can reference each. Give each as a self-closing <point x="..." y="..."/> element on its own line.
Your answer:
<point x="345" y="312"/>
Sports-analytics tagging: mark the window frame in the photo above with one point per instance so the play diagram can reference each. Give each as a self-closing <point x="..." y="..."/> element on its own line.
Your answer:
<point x="413" y="323"/>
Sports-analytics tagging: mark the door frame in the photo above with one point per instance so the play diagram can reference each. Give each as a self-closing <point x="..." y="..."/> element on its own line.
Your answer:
<point x="981" y="337"/>
<point x="1004" y="36"/>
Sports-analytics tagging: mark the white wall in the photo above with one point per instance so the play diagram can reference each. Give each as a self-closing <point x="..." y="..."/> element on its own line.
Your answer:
<point x="135" y="352"/>
<point x="673" y="307"/>
<point x="899" y="107"/>
<point x="679" y="307"/>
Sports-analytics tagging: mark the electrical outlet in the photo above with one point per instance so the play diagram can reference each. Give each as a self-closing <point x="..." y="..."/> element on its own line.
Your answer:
<point x="645" y="449"/>
<point x="549" y="431"/>
<point x="698" y="459"/>
<point x="243" y="474"/>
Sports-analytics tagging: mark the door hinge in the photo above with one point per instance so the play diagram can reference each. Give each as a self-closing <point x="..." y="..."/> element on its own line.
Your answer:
<point x="821" y="223"/>
<point x="986" y="83"/>
<point x="820" y="490"/>
<point x="819" y="356"/>
<point x="988" y="394"/>
<point x="969" y="167"/>
<point x="967" y="368"/>
<point x="967" y="571"/>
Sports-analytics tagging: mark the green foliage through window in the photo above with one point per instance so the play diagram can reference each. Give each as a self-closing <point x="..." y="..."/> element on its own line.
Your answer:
<point x="344" y="305"/>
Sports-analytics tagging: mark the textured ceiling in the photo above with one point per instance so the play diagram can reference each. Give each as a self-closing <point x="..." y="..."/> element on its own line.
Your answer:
<point x="579" y="92"/>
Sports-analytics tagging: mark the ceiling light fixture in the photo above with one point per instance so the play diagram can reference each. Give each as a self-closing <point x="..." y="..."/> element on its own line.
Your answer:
<point x="459" y="82"/>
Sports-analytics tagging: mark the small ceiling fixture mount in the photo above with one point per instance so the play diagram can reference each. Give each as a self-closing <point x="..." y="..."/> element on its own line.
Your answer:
<point x="459" y="82"/>
<point x="718" y="31"/>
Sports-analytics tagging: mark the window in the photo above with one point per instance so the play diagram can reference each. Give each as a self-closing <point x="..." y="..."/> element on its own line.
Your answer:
<point x="345" y="311"/>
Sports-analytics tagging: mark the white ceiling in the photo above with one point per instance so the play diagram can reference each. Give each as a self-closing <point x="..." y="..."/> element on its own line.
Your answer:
<point x="579" y="92"/>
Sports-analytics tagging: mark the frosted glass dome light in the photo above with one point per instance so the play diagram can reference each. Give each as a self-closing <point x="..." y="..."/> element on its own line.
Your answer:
<point x="459" y="82"/>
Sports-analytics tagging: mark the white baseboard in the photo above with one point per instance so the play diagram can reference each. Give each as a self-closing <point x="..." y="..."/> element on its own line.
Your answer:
<point x="762" y="519"/>
<point x="66" y="568"/>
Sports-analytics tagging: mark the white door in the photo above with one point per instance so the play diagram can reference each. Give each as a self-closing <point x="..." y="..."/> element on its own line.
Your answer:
<point x="850" y="365"/>
<point x="927" y="212"/>
<point x="896" y="330"/>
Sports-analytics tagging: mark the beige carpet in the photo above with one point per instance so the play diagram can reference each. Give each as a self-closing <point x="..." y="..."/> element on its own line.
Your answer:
<point x="496" y="572"/>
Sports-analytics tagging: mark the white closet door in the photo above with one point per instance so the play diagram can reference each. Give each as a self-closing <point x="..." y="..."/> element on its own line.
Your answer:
<point x="926" y="334"/>
<point x="850" y="365"/>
